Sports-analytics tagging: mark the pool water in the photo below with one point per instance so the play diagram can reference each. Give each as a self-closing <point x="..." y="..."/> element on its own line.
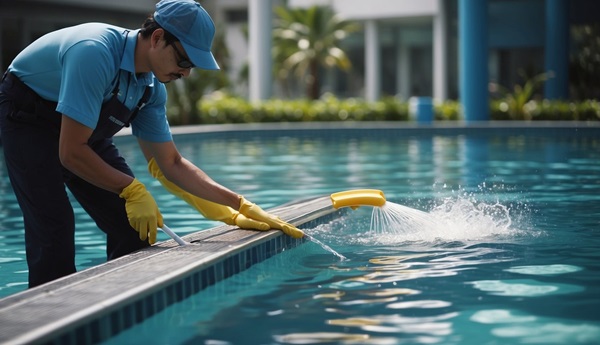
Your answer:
<point x="518" y="261"/>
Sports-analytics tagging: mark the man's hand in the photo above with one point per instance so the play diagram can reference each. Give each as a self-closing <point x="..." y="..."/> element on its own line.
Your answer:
<point x="254" y="211"/>
<point x="142" y="211"/>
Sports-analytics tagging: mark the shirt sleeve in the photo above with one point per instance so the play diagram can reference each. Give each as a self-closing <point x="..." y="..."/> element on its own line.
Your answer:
<point x="88" y="71"/>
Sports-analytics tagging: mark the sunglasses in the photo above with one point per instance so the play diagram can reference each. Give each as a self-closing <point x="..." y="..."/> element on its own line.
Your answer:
<point x="183" y="61"/>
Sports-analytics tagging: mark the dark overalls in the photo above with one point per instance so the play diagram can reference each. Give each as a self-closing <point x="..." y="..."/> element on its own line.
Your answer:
<point x="30" y="131"/>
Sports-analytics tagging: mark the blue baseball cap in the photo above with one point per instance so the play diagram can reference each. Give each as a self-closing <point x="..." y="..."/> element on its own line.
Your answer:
<point x="193" y="27"/>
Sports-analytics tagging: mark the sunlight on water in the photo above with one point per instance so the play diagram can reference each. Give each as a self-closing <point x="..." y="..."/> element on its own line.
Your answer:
<point x="526" y="328"/>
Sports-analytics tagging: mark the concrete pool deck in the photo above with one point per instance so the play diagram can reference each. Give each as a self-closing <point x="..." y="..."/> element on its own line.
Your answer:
<point x="98" y="303"/>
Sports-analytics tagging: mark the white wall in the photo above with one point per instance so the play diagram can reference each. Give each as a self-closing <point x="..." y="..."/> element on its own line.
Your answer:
<point x="375" y="9"/>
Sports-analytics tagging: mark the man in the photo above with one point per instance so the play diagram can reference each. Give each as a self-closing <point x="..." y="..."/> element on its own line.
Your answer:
<point x="61" y="101"/>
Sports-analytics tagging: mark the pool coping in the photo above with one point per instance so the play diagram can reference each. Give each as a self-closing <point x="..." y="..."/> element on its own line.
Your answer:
<point x="433" y="127"/>
<point x="100" y="302"/>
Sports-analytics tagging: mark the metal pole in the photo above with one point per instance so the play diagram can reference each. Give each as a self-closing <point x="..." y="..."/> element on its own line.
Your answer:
<point x="556" y="54"/>
<point x="473" y="41"/>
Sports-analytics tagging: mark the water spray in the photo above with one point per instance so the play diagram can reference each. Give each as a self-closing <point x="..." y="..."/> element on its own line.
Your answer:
<point x="387" y="217"/>
<point x="457" y="220"/>
<point x="353" y="199"/>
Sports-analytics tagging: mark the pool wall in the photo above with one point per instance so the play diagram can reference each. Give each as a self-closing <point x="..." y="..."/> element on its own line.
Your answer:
<point x="353" y="129"/>
<point x="98" y="303"/>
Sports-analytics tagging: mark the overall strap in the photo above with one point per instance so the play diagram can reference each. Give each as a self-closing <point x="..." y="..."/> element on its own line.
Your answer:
<point x="140" y="105"/>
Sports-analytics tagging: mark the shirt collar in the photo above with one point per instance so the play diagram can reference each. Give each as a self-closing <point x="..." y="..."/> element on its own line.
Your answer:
<point x="128" y="61"/>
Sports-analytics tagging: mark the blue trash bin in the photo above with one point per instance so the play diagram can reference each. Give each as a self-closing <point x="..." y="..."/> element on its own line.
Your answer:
<point x="421" y="109"/>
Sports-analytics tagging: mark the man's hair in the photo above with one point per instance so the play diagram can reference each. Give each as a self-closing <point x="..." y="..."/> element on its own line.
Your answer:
<point x="150" y="25"/>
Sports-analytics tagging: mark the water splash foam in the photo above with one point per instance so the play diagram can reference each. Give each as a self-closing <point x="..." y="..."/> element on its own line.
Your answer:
<point x="454" y="219"/>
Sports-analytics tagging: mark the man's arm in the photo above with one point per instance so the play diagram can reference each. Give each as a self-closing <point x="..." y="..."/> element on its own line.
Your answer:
<point x="186" y="175"/>
<point x="76" y="155"/>
<point x="189" y="179"/>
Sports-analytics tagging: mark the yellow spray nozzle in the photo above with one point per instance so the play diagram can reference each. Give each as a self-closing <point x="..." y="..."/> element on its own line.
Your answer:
<point x="358" y="197"/>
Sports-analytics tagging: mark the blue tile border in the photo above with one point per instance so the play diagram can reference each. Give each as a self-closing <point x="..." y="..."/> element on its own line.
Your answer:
<point x="107" y="326"/>
<point x="339" y="130"/>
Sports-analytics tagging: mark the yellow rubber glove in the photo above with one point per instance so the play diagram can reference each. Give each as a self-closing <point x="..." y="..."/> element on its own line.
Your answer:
<point x="209" y="209"/>
<point x="254" y="211"/>
<point x="142" y="210"/>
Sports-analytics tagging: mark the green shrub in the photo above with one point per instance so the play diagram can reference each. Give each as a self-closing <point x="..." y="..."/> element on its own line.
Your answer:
<point x="448" y="111"/>
<point x="547" y="110"/>
<point x="221" y="108"/>
<point x="225" y="109"/>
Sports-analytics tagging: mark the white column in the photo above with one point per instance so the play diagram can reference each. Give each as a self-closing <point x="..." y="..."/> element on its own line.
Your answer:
<point x="372" y="61"/>
<point x="260" y="13"/>
<point x="440" y="73"/>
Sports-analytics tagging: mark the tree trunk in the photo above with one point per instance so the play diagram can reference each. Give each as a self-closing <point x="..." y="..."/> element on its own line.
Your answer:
<point x="313" y="87"/>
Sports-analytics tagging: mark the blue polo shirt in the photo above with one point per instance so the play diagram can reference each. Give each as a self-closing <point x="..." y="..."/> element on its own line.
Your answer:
<point x="79" y="67"/>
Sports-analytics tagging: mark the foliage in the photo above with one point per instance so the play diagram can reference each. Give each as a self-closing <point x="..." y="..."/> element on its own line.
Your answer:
<point x="447" y="111"/>
<point x="306" y="39"/>
<point x="584" y="71"/>
<point x="221" y="108"/>
<point x="515" y="101"/>
<point x="547" y="110"/>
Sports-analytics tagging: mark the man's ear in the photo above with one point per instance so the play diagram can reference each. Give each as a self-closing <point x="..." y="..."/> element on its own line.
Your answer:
<point x="156" y="37"/>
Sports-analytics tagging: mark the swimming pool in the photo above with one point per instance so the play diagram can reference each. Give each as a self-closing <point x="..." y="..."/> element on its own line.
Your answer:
<point x="529" y="275"/>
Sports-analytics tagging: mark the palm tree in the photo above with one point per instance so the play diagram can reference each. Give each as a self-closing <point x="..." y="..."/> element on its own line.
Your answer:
<point x="305" y="39"/>
<point x="517" y="98"/>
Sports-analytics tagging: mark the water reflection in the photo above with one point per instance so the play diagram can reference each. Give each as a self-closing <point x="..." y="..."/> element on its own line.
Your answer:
<point x="414" y="293"/>
<point x="324" y="337"/>
<point x="519" y="326"/>
<point x="544" y="269"/>
<point x="524" y="288"/>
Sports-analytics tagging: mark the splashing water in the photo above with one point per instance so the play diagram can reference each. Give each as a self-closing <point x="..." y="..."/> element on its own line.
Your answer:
<point x="454" y="220"/>
<point x="396" y="219"/>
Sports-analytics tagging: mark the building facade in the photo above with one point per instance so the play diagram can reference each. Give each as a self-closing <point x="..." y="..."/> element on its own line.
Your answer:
<point x="444" y="49"/>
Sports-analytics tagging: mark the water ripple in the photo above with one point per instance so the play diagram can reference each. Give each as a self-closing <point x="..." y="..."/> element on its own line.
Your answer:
<point x="524" y="287"/>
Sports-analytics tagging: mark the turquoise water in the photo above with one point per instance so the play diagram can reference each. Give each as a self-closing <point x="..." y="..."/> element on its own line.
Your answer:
<point x="517" y="262"/>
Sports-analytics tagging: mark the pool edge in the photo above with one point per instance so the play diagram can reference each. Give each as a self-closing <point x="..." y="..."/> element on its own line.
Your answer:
<point x="100" y="302"/>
